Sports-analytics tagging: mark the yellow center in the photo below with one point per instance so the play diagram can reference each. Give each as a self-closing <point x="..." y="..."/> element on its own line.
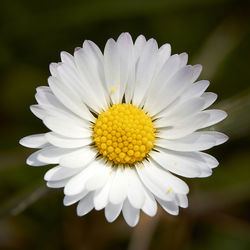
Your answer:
<point x="124" y="134"/>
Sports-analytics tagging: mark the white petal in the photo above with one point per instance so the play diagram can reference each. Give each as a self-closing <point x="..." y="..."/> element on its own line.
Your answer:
<point x="177" y="163"/>
<point x="38" y="111"/>
<point x="164" y="53"/>
<point x="180" y="112"/>
<point x="136" y="191"/>
<point x="215" y="116"/>
<point x="100" y="178"/>
<point x="130" y="214"/>
<point x="34" y="141"/>
<point x="85" y="205"/>
<point x="160" y="80"/>
<point x="175" y="86"/>
<point x="197" y="141"/>
<point x="118" y="191"/>
<point x="153" y="185"/>
<point x="45" y="97"/>
<point x="69" y="200"/>
<point x="219" y="137"/>
<point x="59" y="173"/>
<point x="101" y="198"/>
<point x="169" y="206"/>
<point x="184" y="127"/>
<point x="32" y="160"/>
<point x="183" y="59"/>
<point x="57" y="184"/>
<point x="78" y="158"/>
<point x="150" y="205"/>
<point x="89" y="61"/>
<point x="67" y="127"/>
<point x="210" y="161"/>
<point x="66" y="142"/>
<point x="140" y="43"/>
<point x="112" y="69"/>
<point x="67" y="58"/>
<point x="69" y="98"/>
<point x="145" y="71"/>
<point x="195" y="90"/>
<point x="182" y="200"/>
<point x="209" y="98"/>
<point x="112" y="211"/>
<point x="77" y="183"/>
<point x="52" y="154"/>
<point x="125" y="49"/>
<point x="166" y="180"/>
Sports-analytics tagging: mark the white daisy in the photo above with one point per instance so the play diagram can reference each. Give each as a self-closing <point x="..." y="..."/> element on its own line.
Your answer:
<point x="121" y="123"/>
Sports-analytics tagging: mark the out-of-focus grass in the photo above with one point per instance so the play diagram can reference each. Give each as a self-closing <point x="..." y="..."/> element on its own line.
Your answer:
<point x="215" y="33"/>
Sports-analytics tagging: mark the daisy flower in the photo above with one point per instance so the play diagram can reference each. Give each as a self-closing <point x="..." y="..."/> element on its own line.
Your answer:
<point x="122" y="123"/>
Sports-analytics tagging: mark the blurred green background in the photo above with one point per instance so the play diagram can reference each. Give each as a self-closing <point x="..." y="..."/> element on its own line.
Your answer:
<point x="215" y="33"/>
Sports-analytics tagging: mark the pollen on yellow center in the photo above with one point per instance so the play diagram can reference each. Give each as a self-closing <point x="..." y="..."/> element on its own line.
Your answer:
<point x="124" y="134"/>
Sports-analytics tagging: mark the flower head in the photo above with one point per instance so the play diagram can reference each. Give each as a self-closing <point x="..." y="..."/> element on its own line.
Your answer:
<point x="121" y="123"/>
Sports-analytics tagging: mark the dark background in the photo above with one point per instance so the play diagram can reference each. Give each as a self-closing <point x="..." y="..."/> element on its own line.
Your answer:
<point x="215" y="33"/>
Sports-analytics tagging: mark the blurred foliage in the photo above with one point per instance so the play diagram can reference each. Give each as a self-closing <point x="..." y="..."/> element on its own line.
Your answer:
<point x="215" y="33"/>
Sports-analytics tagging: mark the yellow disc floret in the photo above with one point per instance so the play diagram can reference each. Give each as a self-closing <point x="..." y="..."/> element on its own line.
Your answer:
<point x="124" y="134"/>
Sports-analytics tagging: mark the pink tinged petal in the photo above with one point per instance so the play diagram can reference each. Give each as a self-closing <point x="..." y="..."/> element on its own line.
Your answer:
<point x="59" y="173"/>
<point x="101" y="198"/>
<point x="85" y="205"/>
<point x="34" y="141"/>
<point x="215" y="116"/>
<point x="78" y="158"/>
<point x="69" y="200"/>
<point x="118" y="191"/>
<point x="136" y="193"/>
<point x="112" y="211"/>
<point x="66" y="142"/>
<point x="130" y="214"/>
<point x="145" y="71"/>
<point x="169" y="206"/>
<point x="67" y="127"/>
